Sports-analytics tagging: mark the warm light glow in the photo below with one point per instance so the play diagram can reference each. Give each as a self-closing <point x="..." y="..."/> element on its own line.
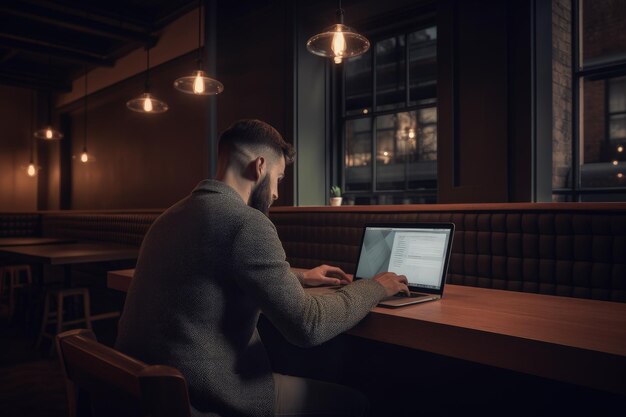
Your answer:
<point x="84" y="157"/>
<point x="386" y="153"/>
<point x="411" y="134"/>
<point x="620" y="175"/>
<point x="620" y="148"/>
<point x="615" y="162"/>
<point x="337" y="60"/>
<point x="339" y="45"/>
<point x="147" y="105"/>
<point x="31" y="170"/>
<point x="198" y="84"/>
<point x="365" y="111"/>
<point x="48" y="133"/>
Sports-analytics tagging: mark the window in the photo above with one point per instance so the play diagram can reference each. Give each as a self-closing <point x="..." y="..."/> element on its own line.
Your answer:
<point x="389" y="120"/>
<point x="598" y="168"/>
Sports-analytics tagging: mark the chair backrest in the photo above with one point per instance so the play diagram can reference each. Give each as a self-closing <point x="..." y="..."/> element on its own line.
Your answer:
<point x="116" y="383"/>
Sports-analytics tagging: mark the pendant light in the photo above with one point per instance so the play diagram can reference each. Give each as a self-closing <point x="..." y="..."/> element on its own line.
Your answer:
<point x="147" y="103"/>
<point x="199" y="83"/>
<point x="84" y="156"/>
<point x="338" y="41"/>
<point x="32" y="169"/>
<point x="48" y="132"/>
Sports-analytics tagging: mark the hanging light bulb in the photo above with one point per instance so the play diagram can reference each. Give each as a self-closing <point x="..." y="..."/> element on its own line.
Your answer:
<point x="147" y="103"/>
<point x="84" y="157"/>
<point x="199" y="83"/>
<point x="338" y="41"/>
<point x="32" y="171"/>
<point x="48" y="132"/>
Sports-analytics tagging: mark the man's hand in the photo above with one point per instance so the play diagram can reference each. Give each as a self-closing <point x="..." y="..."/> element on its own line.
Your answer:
<point x="325" y="275"/>
<point x="393" y="283"/>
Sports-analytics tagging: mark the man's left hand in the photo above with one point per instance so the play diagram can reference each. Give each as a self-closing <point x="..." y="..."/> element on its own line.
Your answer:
<point x="325" y="275"/>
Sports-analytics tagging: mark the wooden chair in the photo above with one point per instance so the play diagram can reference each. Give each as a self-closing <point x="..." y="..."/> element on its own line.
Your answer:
<point x="111" y="383"/>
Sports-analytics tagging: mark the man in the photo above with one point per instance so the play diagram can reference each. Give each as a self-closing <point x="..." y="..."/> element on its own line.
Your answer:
<point x="211" y="263"/>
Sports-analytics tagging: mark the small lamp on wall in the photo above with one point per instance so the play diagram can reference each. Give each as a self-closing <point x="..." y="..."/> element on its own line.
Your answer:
<point x="338" y="41"/>
<point x="147" y="103"/>
<point x="199" y="83"/>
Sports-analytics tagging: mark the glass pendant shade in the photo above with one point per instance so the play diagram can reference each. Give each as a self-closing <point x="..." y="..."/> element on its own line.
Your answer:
<point x="199" y="84"/>
<point x="338" y="42"/>
<point x="147" y="103"/>
<point x="48" y="133"/>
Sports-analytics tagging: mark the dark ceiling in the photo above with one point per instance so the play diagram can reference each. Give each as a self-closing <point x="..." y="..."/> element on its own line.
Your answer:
<point x="44" y="44"/>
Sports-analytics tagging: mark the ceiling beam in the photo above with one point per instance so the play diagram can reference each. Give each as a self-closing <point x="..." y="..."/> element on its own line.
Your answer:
<point x="66" y="53"/>
<point x="34" y="81"/>
<point x="79" y="24"/>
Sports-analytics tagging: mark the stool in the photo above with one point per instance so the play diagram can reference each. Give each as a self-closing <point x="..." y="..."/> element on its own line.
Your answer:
<point x="15" y="276"/>
<point x="55" y="316"/>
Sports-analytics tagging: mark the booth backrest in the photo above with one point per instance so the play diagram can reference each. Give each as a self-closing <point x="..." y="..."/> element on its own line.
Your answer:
<point x="19" y="224"/>
<point x="567" y="249"/>
<point x="576" y="249"/>
<point x="128" y="228"/>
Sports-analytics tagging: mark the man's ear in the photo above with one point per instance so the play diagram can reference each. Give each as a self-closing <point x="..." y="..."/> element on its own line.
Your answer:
<point x="260" y="166"/>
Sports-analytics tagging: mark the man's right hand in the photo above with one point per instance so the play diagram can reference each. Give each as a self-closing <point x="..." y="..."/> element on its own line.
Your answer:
<point x="393" y="283"/>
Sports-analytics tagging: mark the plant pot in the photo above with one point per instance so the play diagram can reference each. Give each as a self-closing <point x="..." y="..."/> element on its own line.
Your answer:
<point x="335" y="201"/>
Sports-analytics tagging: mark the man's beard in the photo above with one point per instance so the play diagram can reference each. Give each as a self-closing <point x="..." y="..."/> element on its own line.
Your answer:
<point x="261" y="197"/>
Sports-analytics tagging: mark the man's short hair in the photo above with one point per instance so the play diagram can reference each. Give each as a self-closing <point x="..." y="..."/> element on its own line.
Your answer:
<point x="255" y="134"/>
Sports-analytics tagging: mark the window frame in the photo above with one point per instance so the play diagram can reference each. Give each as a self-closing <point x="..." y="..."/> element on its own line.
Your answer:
<point x="375" y="34"/>
<point x="579" y="72"/>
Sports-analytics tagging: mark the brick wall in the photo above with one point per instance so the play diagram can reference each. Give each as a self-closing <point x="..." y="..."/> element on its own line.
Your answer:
<point x="561" y="93"/>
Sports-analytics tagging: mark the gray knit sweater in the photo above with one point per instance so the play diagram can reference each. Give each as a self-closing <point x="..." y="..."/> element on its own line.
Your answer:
<point x="207" y="267"/>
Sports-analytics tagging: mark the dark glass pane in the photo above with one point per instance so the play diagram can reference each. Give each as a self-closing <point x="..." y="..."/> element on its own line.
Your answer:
<point x="603" y="33"/>
<point x="358" y="72"/>
<point x="390" y="73"/>
<point x="406" y="150"/>
<point x="604" y="197"/>
<point x="601" y="135"/>
<point x="423" y="66"/>
<point x="617" y="94"/>
<point x="358" y="155"/>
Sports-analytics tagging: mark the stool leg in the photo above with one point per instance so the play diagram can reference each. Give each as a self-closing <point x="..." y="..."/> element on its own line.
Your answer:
<point x="44" y="320"/>
<point x="87" y="308"/>
<point x="14" y="278"/>
<point x="59" y="319"/>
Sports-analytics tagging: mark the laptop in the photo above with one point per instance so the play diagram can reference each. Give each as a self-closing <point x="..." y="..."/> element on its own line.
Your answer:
<point x="420" y="251"/>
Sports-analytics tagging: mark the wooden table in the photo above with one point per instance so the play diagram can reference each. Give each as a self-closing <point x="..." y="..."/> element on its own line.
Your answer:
<point x="29" y="241"/>
<point x="70" y="253"/>
<point x="567" y="339"/>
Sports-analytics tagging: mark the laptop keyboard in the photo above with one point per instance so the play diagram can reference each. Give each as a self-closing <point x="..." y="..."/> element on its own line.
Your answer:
<point x="412" y="295"/>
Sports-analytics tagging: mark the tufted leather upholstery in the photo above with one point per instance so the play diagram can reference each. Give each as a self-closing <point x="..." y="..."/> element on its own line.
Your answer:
<point x="19" y="224"/>
<point x="562" y="249"/>
<point x="576" y="250"/>
<point x="128" y="228"/>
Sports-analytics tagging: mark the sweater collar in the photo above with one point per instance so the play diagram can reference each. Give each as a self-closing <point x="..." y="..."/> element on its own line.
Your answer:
<point x="215" y="186"/>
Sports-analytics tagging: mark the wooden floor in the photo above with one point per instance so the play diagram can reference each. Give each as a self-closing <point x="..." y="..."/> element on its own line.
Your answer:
<point x="31" y="382"/>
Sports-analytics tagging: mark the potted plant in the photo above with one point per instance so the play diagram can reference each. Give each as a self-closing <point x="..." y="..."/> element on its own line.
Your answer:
<point x="335" y="195"/>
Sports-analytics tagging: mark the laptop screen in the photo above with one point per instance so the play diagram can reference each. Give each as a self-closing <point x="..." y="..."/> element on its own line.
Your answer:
<point x="418" y="253"/>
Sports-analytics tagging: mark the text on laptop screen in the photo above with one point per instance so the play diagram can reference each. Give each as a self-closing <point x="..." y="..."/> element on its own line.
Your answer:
<point x="419" y="254"/>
